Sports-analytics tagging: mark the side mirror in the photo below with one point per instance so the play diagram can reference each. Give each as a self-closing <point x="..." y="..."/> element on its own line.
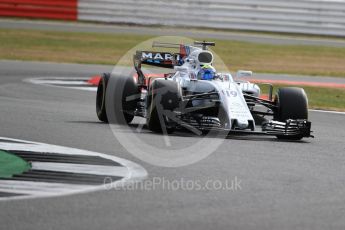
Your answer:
<point x="244" y="73"/>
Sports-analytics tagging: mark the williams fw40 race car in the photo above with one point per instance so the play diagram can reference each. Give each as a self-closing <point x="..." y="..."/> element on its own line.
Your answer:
<point x="198" y="98"/>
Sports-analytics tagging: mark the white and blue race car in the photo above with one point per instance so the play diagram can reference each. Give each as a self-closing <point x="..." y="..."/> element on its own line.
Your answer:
<point x="198" y="98"/>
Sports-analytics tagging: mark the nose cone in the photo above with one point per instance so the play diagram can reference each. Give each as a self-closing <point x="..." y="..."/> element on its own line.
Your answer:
<point x="242" y="123"/>
<point x="235" y="108"/>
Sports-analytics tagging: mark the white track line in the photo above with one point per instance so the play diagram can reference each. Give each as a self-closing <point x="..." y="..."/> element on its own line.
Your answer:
<point x="129" y="171"/>
<point x="62" y="81"/>
<point x="326" y="111"/>
<point x="80" y="168"/>
<point x="92" y="89"/>
<point x="35" y="188"/>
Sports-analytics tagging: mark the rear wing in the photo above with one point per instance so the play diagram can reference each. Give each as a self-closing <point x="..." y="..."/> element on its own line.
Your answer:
<point x="163" y="59"/>
<point x="159" y="59"/>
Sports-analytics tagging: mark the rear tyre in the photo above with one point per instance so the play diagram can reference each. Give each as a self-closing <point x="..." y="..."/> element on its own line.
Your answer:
<point x="100" y="98"/>
<point x="118" y="90"/>
<point x="164" y="97"/>
<point x="124" y="97"/>
<point x="292" y="103"/>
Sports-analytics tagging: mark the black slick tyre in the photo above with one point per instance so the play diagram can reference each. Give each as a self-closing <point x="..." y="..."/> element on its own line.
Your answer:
<point x="292" y="103"/>
<point x="164" y="96"/>
<point x="100" y="98"/>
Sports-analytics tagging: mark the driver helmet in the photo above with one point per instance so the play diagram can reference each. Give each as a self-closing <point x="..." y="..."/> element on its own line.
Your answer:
<point x="206" y="72"/>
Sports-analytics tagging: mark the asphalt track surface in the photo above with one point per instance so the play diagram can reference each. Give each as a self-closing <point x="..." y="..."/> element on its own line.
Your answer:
<point x="160" y="31"/>
<point x="284" y="185"/>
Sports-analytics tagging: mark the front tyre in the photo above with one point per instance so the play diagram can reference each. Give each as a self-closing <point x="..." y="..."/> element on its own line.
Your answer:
<point x="164" y="98"/>
<point x="292" y="103"/>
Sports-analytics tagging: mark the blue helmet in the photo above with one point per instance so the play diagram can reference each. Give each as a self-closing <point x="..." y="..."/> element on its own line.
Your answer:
<point x="206" y="72"/>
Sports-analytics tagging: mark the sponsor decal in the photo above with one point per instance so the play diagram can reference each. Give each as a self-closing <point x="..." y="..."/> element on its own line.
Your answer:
<point x="159" y="56"/>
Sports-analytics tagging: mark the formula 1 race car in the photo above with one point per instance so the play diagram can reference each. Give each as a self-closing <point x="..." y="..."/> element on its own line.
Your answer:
<point x="197" y="98"/>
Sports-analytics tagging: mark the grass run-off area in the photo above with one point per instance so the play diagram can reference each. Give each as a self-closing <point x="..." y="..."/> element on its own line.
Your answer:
<point x="11" y="165"/>
<point x="319" y="98"/>
<point x="94" y="48"/>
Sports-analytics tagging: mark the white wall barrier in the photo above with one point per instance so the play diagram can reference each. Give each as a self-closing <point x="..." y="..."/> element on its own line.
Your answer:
<point x="293" y="16"/>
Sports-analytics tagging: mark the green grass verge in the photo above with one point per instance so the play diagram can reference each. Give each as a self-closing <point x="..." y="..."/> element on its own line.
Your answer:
<point x="11" y="165"/>
<point x="94" y="48"/>
<point x="319" y="98"/>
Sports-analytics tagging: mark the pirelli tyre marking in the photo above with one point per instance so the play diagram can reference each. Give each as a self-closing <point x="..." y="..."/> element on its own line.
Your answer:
<point x="58" y="171"/>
